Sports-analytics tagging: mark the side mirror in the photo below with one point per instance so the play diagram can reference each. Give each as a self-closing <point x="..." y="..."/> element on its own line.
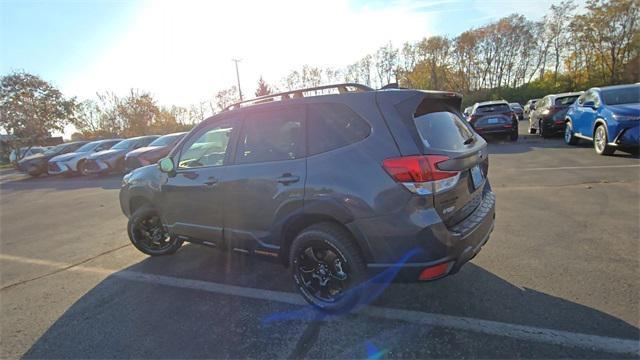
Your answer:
<point x="166" y="165"/>
<point x="590" y="104"/>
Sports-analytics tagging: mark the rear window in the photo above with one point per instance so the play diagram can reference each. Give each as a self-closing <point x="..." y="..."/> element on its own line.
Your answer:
<point x="332" y="126"/>
<point x="443" y="130"/>
<point x="501" y="108"/>
<point x="566" y="101"/>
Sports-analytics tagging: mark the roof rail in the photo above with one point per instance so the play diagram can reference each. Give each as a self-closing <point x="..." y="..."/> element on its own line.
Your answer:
<point x="299" y="93"/>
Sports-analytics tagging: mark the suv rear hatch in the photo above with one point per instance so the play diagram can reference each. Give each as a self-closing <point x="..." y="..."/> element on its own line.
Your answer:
<point x="448" y="161"/>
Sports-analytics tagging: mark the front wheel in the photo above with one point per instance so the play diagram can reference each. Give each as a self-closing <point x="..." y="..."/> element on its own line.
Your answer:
<point x="148" y="234"/>
<point x="601" y="142"/>
<point x="327" y="267"/>
<point x="569" y="138"/>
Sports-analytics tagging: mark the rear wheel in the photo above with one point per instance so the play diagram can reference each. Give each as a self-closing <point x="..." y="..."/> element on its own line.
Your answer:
<point x="601" y="141"/>
<point x="569" y="138"/>
<point x="81" y="168"/>
<point x="327" y="267"/>
<point x="148" y="234"/>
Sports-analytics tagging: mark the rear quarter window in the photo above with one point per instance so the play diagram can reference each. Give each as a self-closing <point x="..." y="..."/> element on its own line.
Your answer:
<point x="331" y="126"/>
<point x="443" y="130"/>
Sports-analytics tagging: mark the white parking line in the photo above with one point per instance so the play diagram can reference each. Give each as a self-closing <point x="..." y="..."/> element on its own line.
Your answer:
<point x="522" y="332"/>
<point x="580" y="167"/>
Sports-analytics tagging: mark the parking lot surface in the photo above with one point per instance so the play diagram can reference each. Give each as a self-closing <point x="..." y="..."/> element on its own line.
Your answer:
<point x="558" y="278"/>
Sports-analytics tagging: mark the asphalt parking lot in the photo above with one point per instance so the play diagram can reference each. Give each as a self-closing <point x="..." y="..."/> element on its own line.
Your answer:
<point x="558" y="278"/>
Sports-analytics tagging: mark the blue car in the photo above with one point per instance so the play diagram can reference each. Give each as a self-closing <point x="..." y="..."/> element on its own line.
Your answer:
<point x="608" y="116"/>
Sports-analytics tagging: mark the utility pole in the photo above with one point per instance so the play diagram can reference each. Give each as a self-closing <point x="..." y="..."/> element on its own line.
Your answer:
<point x="238" y="76"/>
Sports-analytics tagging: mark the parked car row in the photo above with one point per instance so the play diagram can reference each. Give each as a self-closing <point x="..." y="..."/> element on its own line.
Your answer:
<point x="100" y="156"/>
<point x="609" y="117"/>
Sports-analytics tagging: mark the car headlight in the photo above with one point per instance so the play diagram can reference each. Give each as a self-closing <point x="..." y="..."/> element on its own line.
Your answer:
<point x="620" y="117"/>
<point x="126" y="179"/>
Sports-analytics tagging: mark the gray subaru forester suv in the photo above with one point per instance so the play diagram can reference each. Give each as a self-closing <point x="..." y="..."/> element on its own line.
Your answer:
<point x="338" y="187"/>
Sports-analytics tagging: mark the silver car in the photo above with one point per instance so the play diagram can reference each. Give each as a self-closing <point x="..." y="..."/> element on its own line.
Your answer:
<point x="73" y="163"/>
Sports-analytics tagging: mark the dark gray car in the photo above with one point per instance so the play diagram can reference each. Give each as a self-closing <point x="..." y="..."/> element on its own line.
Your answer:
<point x="343" y="189"/>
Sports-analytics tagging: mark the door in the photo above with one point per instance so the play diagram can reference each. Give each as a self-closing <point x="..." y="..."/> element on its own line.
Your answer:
<point x="587" y="115"/>
<point x="193" y="200"/>
<point x="265" y="184"/>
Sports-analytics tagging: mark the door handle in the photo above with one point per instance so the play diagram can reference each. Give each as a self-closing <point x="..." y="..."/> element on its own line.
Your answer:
<point x="287" y="179"/>
<point x="211" y="181"/>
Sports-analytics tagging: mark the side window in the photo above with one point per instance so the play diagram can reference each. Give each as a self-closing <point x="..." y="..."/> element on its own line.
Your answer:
<point x="271" y="135"/>
<point x="331" y="126"/>
<point x="206" y="149"/>
<point x="581" y="99"/>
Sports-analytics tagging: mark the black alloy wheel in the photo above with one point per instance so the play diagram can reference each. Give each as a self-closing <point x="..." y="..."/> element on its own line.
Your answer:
<point x="327" y="267"/>
<point x="148" y="234"/>
<point x="321" y="272"/>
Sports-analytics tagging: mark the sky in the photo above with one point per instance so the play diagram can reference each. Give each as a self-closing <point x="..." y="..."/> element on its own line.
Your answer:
<point x="181" y="50"/>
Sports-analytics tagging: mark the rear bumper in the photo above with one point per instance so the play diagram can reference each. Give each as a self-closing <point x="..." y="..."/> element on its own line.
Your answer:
<point x="438" y="244"/>
<point x="554" y="128"/>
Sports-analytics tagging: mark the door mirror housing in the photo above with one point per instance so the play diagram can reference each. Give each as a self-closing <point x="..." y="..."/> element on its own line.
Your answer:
<point x="166" y="165"/>
<point x="590" y="104"/>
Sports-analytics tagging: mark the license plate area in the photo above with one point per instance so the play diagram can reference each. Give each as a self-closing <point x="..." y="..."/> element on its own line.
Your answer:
<point x="477" y="176"/>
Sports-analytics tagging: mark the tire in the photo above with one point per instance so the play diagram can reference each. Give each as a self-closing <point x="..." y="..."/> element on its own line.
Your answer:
<point x="513" y="136"/>
<point x="569" y="138"/>
<point x="327" y="240"/>
<point x="541" y="131"/>
<point x="158" y="244"/>
<point x="601" y="141"/>
<point x="81" y="168"/>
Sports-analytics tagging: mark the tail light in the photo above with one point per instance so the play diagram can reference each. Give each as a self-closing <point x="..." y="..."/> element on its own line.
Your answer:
<point x="420" y="174"/>
<point x="434" y="272"/>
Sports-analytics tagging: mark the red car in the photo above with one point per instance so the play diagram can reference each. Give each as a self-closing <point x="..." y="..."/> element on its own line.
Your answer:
<point x="155" y="151"/>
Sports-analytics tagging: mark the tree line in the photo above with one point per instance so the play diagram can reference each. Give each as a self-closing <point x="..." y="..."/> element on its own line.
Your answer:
<point x="513" y="58"/>
<point x="569" y="49"/>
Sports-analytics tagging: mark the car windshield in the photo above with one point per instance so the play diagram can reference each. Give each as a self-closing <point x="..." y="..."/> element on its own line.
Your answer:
<point x="515" y="106"/>
<point x="88" y="146"/>
<point x="628" y="95"/>
<point x="56" y="149"/>
<point x="566" y="100"/>
<point x="166" y="140"/>
<point x="124" y="144"/>
<point x="493" y="108"/>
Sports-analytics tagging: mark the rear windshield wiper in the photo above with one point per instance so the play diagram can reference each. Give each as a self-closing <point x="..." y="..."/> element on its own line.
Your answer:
<point x="469" y="140"/>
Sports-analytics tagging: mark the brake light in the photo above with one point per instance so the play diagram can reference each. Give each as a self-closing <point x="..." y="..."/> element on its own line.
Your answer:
<point x="420" y="174"/>
<point x="434" y="272"/>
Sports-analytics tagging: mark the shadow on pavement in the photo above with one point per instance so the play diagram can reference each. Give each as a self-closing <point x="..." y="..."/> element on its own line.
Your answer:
<point x="122" y="318"/>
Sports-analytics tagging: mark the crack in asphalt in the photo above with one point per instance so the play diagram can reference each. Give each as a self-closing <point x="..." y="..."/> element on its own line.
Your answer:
<point x="71" y="266"/>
